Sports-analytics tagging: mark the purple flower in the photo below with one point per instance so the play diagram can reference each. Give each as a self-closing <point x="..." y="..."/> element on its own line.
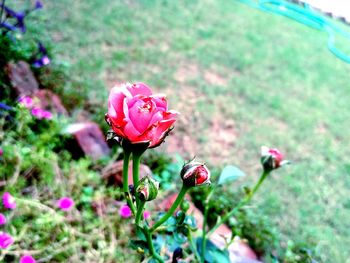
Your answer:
<point x="27" y="259"/>
<point x="19" y="16"/>
<point x="8" y="201"/>
<point x="26" y="102"/>
<point x="44" y="59"/>
<point x="5" y="240"/>
<point x="8" y="26"/>
<point x="65" y="203"/>
<point x="3" y="219"/>
<point x="41" y="114"/>
<point x="38" y="5"/>
<point x="125" y="211"/>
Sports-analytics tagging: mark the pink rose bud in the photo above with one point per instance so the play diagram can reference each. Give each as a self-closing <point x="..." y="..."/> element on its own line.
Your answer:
<point x="3" y="219"/>
<point x="5" y="240"/>
<point x="195" y="174"/>
<point x="125" y="211"/>
<point x="27" y="259"/>
<point x="65" y="203"/>
<point x="271" y="158"/>
<point x="8" y="201"/>
<point x="138" y="116"/>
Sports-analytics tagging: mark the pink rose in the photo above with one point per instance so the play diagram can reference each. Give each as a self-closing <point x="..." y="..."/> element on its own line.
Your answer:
<point x="195" y="174"/>
<point x="272" y="158"/>
<point x="138" y="116"/>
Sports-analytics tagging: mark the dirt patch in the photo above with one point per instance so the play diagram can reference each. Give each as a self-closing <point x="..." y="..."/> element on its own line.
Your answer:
<point x="187" y="72"/>
<point x="214" y="79"/>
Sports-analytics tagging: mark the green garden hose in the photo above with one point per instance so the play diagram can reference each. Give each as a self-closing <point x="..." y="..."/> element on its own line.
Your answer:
<point x="306" y="16"/>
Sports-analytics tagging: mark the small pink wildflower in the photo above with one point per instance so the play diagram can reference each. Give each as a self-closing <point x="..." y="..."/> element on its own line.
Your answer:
<point x="8" y="201"/>
<point x="3" y="219"/>
<point x="5" y="240"/>
<point x="26" y="102"/>
<point x="125" y="211"/>
<point x="41" y="114"/>
<point x="146" y="214"/>
<point x="1" y="152"/>
<point x="27" y="259"/>
<point x="65" y="203"/>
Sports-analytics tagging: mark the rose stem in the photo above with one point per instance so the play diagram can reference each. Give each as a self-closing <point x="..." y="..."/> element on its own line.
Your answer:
<point x="127" y="154"/>
<point x="205" y="218"/>
<point x="172" y="209"/>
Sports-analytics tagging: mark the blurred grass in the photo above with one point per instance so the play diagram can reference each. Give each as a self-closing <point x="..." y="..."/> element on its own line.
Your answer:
<point x="274" y="78"/>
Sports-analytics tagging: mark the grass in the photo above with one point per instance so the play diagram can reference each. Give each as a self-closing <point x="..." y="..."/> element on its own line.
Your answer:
<point x="260" y="78"/>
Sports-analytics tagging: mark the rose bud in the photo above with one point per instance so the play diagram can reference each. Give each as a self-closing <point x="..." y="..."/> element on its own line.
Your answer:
<point x="147" y="189"/>
<point x="271" y="158"/>
<point x="195" y="174"/>
<point x="138" y="116"/>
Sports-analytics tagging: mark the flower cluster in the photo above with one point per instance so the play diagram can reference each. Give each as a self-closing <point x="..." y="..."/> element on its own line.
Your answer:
<point x="37" y="112"/>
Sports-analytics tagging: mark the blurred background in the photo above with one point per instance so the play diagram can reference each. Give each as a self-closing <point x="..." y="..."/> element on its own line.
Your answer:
<point x="241" y="78"/>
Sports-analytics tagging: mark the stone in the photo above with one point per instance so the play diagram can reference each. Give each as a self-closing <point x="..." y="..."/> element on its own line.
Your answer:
<point x="113" y="173"/>
<point x="47" y="100"/>
<point x="90" y="139"/>
<point x="22" y="78"/>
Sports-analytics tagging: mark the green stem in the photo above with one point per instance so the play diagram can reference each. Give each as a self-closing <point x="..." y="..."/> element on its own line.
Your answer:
<point x="243" y="202"/>
<point x="193" y="247"/>
<point x="172" y="209"/>
<point x="139" y="212"/>
<point x="128" y="197"/>
<point x="205" y="218"/>
<point x="136" y="158"/>
<point x="153" y="252"/>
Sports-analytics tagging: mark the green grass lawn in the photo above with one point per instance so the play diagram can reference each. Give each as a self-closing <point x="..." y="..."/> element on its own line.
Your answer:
<point x="241" y="78"/>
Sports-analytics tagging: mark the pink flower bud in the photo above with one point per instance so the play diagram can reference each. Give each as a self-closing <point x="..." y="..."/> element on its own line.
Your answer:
<point x="271" y="158"/>
<point x="27" y="259"/>
<point x="41" y="114"/>
<point x="138" y="116"/>
<point x="65" y="203"/>
<point x="5" y="240"/>
<point x="195" y="174"/>
<point x="125" y="211"/>
<point x="8" y="201"/>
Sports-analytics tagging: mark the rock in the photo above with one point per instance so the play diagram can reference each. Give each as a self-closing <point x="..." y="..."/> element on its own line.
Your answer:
<point x="113" y="173"/>
<point x="90" y="139"/>
<point x="22" y="78"/>
<point x="47" y="100"/>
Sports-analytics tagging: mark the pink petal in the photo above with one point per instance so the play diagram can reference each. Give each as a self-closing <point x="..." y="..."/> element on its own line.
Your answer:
<point x="27" y="259"/>
<point x="3" y="219"/>
<point x="141" y="114"/>
<point x="140" y="89"/>
<point x="125" y="211"/>
<point x="160" y="101"/>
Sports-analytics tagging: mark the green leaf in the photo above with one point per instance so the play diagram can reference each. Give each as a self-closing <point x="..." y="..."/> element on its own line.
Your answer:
<point x="212" y="253"/>
<point x="229" y="174"/>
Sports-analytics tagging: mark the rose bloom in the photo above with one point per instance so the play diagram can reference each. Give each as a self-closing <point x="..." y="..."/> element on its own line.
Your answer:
<point x="27" y="259"/>
<point x="8" y="201"/>
<point x="5" y="240"/>
<point x="65" y="203"/>
<point x="138" y="116"/>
